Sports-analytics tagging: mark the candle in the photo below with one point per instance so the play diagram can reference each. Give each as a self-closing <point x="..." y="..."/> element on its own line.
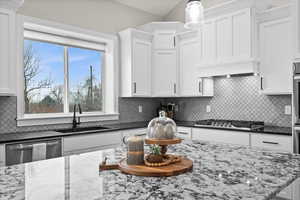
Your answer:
<point x="135" y="150"/>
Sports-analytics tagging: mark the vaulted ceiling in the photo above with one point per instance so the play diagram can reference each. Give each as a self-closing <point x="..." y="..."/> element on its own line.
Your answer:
<point x="155" y="7"/>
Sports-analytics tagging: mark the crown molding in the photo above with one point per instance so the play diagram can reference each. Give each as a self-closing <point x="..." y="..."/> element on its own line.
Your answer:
<point x="11" y="4"/>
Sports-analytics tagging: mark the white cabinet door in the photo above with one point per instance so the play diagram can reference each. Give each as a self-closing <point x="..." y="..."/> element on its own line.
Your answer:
<point x="90" y="142"/>
<point x="215" y="135"/>
<point x="296" y="30"/>
<point x="7" y="52"/>
<point x="136" y="61"/>
<point x="164" y="39"/>
<point x="164" y="73"/>
<point x="142" y="53"/>
<point x="189" y="60"/>
<point x="272" y="142"/>
<point x="241" y="34"/>
<point x="209" y="43"/>
<point x="224" y="39"/>
<point x="276" y="57"/>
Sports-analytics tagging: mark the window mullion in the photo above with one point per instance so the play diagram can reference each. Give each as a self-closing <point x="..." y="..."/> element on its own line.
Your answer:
<point x="66" y="80"/>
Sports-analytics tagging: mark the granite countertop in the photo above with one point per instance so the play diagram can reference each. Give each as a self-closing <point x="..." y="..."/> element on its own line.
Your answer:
<point x="220" y="171"/>
<point x="20" y="136"/>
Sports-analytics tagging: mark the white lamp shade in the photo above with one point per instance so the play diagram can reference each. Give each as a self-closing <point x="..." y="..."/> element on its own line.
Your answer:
<point x="194" y="14"/>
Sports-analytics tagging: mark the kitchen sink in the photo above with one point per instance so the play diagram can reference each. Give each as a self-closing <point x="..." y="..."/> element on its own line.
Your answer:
<point x="84" y="129"/>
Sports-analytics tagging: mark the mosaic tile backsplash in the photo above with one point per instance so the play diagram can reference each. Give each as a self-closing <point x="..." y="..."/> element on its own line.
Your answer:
<point x="236" y="98"/>
<point x="128" y="109"/>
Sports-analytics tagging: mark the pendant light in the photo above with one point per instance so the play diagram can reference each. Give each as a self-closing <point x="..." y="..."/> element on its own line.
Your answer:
<point x="194" y="14"/>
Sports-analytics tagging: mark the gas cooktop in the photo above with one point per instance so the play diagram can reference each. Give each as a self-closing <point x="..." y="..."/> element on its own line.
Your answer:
<point x="231" y="124"/>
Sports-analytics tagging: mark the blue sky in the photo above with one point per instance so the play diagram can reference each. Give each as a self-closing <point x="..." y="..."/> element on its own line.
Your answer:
<point x="52" y="63"/>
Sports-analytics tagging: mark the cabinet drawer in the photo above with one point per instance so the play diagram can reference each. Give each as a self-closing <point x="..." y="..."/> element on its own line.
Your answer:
<point x="215" y="135"/>
<point x="84" y="143"/>
<point x="272" y="142"/>
<point x="184" y="132"/>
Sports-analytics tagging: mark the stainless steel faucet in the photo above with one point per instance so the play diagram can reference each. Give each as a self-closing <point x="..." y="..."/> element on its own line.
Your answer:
<point x="76" y="122"/>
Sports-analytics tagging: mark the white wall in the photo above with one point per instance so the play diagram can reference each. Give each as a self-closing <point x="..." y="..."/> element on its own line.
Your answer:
<point x="177" y="14"/>
<point x="99" y="15"/>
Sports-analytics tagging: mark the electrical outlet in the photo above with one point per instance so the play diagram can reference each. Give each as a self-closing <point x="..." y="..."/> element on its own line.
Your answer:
<point x="208" y="109"/>
<point x="287" y="110"/>
<point x="140" y="109"/>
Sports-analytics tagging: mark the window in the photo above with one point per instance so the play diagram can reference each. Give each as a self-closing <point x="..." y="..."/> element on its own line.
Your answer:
<point x="85" y="68"/>
<point x="57" y="75"/>
<point x="60" y="66"/>
<point x="43" y="77"/>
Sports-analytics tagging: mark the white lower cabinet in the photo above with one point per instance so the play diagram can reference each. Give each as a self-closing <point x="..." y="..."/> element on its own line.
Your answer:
<point x="90" y="142"/>
<point x="224" y="136"/>
<point x="184" y="132"/>
<point x="272" y="142"/>
<point x="260" y="140"/>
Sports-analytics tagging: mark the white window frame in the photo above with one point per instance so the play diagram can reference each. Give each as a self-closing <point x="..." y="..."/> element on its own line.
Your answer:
<point x="69" y="35"/>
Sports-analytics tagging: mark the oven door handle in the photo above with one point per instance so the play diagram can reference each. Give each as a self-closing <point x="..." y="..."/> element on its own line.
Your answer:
<point x="50" y="144"/>
<point x="22" y="147"/>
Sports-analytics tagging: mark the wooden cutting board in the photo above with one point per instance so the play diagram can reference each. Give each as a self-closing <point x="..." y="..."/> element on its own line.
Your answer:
<point x="174" y="169"/>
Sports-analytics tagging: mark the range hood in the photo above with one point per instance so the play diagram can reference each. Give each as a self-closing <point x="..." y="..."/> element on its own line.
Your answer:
<point x="229" y="68"/>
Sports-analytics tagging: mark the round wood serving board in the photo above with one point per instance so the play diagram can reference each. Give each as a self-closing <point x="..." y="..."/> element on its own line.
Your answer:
<point x="174" y="169"/>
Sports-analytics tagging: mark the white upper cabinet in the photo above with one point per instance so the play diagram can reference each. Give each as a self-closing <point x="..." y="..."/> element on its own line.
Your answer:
<point x="136" y="61"/>
<point x="164" y="39"/>
<point x="296" y="25"/>
<point x="227" y="44"/>
<point x="276" y="56"/>
<point x="7" y="52"/>
<point x="190" y="55"/>
<point x="209" y="43"/>
<point x="242" y="35"/>
<point x="164" y="73"/>
<point x="224" y="39"/>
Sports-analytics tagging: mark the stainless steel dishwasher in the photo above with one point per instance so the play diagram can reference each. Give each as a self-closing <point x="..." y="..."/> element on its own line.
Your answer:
<point x="32" y="150"/>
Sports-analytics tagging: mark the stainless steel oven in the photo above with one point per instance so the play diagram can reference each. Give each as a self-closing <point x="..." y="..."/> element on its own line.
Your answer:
<point x="296" y="93"/>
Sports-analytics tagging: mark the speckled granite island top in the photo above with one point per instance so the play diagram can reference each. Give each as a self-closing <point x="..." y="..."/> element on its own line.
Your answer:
<point x="220" y="172"/>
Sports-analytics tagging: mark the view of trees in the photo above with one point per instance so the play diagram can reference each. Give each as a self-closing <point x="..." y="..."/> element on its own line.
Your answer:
<point x="88" y="93"/>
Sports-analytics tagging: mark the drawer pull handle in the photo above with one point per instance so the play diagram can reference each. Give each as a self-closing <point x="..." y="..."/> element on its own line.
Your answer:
<point x="266" y="142"/>
<point x="142" y="134"/>
<point x="183" y="133"/>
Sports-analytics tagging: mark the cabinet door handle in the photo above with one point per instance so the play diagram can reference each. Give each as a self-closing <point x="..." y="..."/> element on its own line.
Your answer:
<point x="261" y="83"/>
<point x="183" y="133"/>
<point x="200" y="86"/>
<point x="174" y="42"/>
<point x="267" y="142"/>
<point x="174" y="88"/>
<point x="141" y="134"/>
<point x="134" y="87"/>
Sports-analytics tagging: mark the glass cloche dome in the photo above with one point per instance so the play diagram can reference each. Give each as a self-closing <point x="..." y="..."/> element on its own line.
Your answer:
<point x="162" y="127"/>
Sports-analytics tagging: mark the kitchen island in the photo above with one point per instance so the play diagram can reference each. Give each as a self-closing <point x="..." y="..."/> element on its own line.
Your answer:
<point x="220" y="171"/>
